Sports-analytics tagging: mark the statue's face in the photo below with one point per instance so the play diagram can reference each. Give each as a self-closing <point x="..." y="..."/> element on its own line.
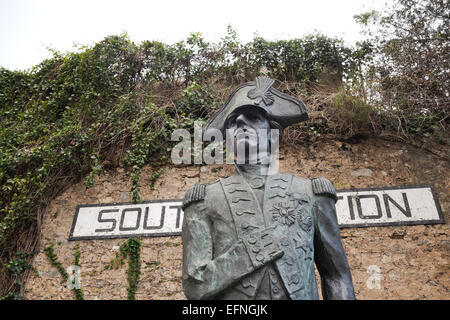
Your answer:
<point x="250" y="130"/>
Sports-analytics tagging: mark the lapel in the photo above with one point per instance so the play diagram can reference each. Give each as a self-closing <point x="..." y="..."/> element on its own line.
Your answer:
<point x="243" y="206"/>
<point x="247" y="218"/>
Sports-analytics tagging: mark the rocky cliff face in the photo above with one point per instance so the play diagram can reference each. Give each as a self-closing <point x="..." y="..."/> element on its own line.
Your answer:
<point x="411" y="262"/>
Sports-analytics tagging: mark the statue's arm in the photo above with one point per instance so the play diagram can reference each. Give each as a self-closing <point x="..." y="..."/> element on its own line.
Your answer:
<point x="204" y="276"/>
<point x="329" y="254"/>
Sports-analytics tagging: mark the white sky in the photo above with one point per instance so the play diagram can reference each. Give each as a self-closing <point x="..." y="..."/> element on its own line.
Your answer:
<point x="28" y="27"/>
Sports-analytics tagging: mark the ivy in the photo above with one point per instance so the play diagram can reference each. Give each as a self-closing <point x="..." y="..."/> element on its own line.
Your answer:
<point x="17" y="267"/>
<point x="78" y="291"/>
<point x="154" y="177"/>
<point x="51" y="255"/>
<point x="131" y="250"/>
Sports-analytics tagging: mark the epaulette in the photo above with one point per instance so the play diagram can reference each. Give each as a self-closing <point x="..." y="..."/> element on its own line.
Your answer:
<point x="324" y="187"/>
<point x="194" y="193"/>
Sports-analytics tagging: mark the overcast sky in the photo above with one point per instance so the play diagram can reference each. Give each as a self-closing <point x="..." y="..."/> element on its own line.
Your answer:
<point x="28" y="27"/>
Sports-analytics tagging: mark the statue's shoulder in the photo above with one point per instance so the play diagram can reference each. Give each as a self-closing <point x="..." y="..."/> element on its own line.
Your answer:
<point x="195" y="193"/>
<point x="323" y="187"/>
<point x="199" y="192"/>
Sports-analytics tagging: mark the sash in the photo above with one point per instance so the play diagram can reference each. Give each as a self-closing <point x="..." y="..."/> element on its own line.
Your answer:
<point x="247" y="219"/>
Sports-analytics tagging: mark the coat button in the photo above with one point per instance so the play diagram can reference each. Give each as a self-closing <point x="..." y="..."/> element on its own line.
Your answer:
<point x="260" y="257"/>
<point x="252" y="240"/>
<point x="256" y="182"/>
<point x="256" y="249"/>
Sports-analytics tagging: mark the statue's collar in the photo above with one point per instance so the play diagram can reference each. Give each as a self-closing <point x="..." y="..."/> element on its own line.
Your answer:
<point x="268" y="167"/>
<point x="254" y="176"/>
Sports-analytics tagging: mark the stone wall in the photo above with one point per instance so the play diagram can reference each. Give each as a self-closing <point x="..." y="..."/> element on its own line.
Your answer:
<point x="413" y="261"/>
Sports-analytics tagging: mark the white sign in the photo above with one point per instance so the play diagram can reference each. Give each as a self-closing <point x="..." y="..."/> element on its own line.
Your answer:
<point x="388" y="206"/>
<point x="123" y="220"/>
<point x="355" y="208"/>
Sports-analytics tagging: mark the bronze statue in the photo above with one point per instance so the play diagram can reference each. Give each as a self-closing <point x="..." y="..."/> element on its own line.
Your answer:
<point x="257" y="234"/>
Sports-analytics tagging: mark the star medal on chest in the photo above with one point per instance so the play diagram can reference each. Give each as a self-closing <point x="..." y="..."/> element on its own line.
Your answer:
<point x="284" y="212"/>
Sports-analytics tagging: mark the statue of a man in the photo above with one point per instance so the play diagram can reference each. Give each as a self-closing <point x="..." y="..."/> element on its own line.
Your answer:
<point x="258" y="233"/>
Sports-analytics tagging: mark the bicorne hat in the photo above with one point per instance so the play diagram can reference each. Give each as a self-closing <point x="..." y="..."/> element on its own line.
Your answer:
<point x="260" y="94"/>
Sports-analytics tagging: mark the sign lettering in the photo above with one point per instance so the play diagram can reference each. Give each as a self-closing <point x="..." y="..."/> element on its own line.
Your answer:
<point x="354" y="208"/>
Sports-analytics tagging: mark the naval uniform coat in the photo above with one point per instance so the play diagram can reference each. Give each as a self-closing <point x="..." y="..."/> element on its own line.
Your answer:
<point x="234" y="248"/>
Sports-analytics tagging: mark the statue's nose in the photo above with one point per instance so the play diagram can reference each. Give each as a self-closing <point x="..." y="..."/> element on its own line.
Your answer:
<point x="241" y="121"/>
